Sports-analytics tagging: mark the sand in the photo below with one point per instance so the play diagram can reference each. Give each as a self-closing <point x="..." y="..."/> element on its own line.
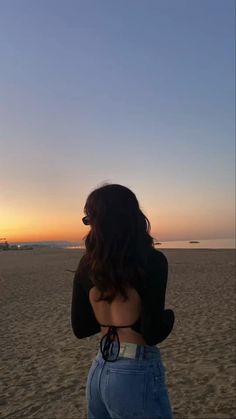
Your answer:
<point x="44" y="366"/>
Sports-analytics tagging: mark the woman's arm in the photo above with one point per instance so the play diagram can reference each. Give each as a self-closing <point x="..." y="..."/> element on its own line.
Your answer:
<point x="83" y="321"/>
<point x="156" y="322"/>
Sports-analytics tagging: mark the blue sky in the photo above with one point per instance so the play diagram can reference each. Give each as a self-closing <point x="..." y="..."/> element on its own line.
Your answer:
<point x="133" y="92"/>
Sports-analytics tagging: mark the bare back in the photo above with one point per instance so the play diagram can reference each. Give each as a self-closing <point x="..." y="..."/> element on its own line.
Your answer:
<point x="118" y="313"/>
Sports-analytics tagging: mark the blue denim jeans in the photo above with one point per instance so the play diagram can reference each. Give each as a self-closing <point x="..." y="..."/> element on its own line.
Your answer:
<point x="128" y="388"/>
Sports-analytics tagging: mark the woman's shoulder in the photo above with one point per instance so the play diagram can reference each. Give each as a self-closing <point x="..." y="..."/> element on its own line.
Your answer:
<point x="157" y="259"/>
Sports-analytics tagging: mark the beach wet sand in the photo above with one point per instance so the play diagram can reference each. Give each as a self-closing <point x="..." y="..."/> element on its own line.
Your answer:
<point x="44" y="366"/>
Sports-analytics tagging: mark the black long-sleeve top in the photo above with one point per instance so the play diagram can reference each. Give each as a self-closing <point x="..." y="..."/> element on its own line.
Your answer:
<point x="155" y="323"/>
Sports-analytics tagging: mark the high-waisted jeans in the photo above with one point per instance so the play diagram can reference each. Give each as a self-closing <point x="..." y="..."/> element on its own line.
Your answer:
<point x="128" y="388"/>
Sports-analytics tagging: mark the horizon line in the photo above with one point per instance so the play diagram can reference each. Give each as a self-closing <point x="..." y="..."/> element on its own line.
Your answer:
<point x="155" y="240"/>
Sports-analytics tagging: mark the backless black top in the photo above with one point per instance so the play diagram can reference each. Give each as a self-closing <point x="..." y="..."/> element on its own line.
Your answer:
<point x="155" y="323"/>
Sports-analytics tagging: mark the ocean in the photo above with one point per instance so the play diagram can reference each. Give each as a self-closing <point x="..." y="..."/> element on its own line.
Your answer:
<point x="185" y="244"/>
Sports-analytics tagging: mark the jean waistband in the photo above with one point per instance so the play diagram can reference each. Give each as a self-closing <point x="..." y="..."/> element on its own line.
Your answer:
<point x="134" y="351"/>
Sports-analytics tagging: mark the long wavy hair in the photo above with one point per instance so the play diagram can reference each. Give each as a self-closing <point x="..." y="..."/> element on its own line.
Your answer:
<point x="118" y="242"/>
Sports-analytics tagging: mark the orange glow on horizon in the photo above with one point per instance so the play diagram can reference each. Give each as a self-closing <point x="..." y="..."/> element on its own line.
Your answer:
<point x="44" y="235"/>
<point x="22" y="226"/>
<point x="162" y="234"/>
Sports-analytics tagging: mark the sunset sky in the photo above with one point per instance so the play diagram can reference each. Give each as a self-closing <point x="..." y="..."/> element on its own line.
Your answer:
<point x="134" y="92"/>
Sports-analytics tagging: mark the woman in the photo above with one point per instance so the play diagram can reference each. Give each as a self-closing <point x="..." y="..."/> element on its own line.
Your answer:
<point x="119" y="291"/>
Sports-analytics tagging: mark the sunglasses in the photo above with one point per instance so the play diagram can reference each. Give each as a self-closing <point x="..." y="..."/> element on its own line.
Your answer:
<point x="86" y="220"/>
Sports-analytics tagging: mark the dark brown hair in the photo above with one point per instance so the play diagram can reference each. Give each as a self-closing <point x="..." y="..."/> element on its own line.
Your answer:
<point x="118" y="242"/>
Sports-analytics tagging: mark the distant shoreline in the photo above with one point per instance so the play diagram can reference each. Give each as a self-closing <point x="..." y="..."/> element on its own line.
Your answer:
<point x="177" y="244"/>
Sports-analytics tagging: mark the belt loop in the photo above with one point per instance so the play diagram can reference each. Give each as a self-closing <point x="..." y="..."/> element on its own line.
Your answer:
<point x="143" y="352"/>
<point x="140" y="352"/>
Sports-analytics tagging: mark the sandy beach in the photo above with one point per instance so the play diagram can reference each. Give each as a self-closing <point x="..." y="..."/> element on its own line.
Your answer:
<point x="44" y="366"/>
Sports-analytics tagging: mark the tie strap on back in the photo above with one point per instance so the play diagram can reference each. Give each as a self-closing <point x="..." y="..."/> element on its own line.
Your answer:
<point x="107" y="342"/>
